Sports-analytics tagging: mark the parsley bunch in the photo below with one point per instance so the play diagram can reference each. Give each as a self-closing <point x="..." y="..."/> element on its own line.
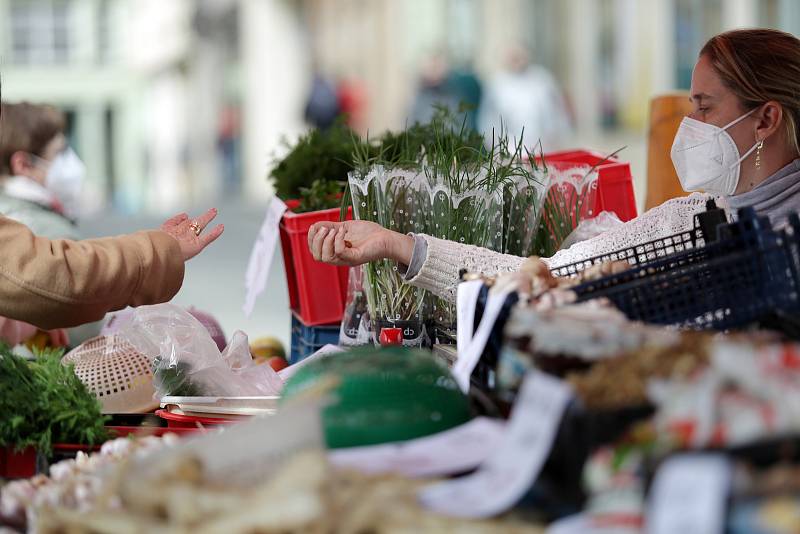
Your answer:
<point x="315" y="168"/>
<point x="43" y="402"/>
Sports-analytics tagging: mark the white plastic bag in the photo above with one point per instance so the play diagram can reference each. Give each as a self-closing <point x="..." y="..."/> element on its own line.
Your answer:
<point x="589" y="228"/>
<point x="187" y="362"/>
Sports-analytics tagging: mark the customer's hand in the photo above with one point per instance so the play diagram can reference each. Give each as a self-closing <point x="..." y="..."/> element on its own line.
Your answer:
<point x="357" y="242"/>
<point x="189" y="232"/>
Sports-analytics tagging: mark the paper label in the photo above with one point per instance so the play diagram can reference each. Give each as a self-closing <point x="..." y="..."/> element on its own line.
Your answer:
<point x="689" y="494"/>
<point x="468" y="358"/>
<point x="453" y="451"/>
<point x="261" y="256"/>
<point x="466" y="301"/>
<point x="505" y="477"/>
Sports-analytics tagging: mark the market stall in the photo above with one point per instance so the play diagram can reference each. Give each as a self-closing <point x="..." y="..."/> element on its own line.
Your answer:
<point x="652" y="388"/>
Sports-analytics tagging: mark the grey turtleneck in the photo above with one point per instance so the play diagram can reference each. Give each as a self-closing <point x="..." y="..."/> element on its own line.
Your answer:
<point x="775" y="197"/>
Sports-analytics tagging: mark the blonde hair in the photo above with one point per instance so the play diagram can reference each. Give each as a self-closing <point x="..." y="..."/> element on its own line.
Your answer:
<point x="760" y="65"/>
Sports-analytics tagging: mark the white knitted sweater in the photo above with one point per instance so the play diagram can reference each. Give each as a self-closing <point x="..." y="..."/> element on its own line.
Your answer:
<point x="439" y="272"/>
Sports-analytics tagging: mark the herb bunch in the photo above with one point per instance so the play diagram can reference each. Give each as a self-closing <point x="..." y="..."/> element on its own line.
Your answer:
<point x="440" y="179"/>
<point x="43" y="402"/>
<point x="316" y="167"/>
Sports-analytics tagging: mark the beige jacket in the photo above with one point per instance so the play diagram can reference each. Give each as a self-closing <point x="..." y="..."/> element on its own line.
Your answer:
<point x="61" y="283"/>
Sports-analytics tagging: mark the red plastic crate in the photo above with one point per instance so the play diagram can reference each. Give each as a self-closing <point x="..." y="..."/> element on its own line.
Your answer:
<point x="317" y="291"/>
<point x="615" y="182"/>
<point x="176" y="421"/>
<point x="17" y="464"/>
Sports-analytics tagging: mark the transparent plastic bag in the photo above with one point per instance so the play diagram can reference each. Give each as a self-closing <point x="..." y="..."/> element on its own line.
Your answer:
<point x="187" y="362"/>
<point x="570" y="199"/>
<point x="589" y="228"/>
<point x="393" y="199"/>
<point x="355" y="325"/>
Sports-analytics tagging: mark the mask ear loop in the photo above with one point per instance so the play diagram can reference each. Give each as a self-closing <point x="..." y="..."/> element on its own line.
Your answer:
<point x="740" y="119"/>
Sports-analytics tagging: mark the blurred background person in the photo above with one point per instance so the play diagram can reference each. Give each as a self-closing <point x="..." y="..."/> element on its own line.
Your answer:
<point x="40" y="175"/>
<point x="40" y="186"/>
<point x="434" y="89"/>
<point x="467" y="88"/>
<point x="525" y="100"/>
<point x="352" y="97"/>
<point x="322" y="106"/>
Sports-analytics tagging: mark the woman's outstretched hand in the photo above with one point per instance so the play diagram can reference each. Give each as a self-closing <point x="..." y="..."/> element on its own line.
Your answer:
<point x="189" y="232"/>
<point x="357" y="242"/>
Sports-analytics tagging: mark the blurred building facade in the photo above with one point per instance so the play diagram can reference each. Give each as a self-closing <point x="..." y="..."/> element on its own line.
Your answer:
<point x="180" y="101"/>
<point x="142" y="83"/>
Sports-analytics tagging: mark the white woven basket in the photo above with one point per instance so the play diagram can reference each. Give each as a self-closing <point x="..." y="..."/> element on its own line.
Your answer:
<point x="118" y="374"/>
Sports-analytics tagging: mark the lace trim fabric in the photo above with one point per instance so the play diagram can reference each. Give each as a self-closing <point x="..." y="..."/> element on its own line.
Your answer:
<point x="440" y="271"/>
<point x="671" y="217"/>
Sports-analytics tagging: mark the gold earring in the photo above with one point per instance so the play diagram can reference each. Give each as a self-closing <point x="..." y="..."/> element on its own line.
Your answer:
<point x="758" y="153"/>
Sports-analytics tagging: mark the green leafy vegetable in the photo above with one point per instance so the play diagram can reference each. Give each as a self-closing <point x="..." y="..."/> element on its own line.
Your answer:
<point x="323" y="156"/>
<point x="43" y="402"/>
<point x="322" y="195"/>
<point x="174" y="380"/>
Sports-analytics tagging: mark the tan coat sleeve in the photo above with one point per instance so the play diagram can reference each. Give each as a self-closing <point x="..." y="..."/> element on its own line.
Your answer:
<point x="62" y="283"/>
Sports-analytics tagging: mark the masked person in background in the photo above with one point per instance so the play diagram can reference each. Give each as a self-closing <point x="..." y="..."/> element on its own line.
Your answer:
<point x="40" y="175"/>
<point x="40" y="185"/>
<point x="740" y="145"/>
<point x="59" y="283"/>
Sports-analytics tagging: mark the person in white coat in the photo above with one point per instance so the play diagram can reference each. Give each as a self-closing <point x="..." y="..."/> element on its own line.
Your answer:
<point x="525" y="100"/>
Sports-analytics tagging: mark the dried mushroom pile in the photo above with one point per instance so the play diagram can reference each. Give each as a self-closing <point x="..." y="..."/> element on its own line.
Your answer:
<point x="307" y="495"/>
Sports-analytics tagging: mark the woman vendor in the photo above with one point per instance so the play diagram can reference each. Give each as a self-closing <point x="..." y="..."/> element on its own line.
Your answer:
<point x="740" y="144"/>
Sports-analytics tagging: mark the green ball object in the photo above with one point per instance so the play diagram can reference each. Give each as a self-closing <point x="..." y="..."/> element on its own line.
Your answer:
<point x="383" y="395"/>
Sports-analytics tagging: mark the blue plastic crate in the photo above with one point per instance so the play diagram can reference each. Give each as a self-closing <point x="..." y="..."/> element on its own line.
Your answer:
<point x="306" y="340"/>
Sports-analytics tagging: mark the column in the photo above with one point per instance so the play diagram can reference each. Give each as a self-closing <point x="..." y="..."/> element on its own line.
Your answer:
<point x="789" y="16"/>
<point x="274" y="85"/>
<point x="739" y="14"/>
<point x="92" y="145"/>
<point x="581" y="56"/>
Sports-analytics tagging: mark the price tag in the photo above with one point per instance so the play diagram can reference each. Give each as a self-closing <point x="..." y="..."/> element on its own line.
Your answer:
<point x="466" y="301"/>
<point x="261" y="256"/>
<point x="505" y="477"/>
<point x="689" y="495"/>
<point x="468" y="358"/>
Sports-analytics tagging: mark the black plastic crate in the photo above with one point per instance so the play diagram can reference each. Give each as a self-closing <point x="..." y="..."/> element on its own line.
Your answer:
<point x="704" y="232"/>
<point x="750" y="272"/>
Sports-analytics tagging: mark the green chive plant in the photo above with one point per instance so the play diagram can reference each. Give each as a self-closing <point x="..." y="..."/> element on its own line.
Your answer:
<point x="571" y="198"/>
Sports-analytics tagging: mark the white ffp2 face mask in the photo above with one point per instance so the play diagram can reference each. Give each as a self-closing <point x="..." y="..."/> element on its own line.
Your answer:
<point x="65" y="180"/>
<point x="706" y="158"/>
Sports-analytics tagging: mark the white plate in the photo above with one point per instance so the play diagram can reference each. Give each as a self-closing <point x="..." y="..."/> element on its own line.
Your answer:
<point x="222" y="405"/>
